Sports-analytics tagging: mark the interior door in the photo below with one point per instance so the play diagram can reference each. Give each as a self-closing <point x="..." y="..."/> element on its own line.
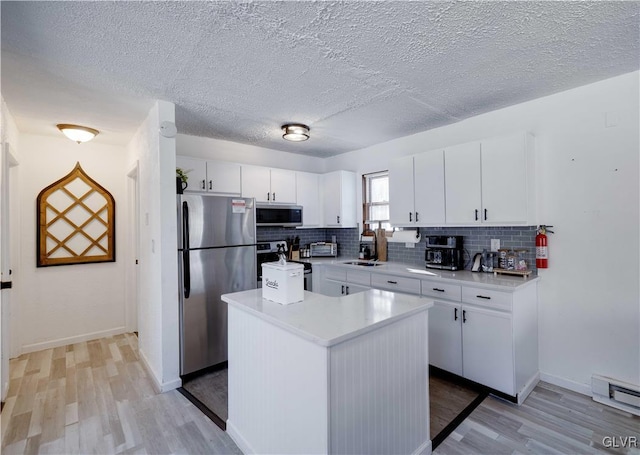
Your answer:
<point x="6" y="279"/>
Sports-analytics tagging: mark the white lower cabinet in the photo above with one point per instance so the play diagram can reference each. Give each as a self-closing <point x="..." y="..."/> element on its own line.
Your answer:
<point x="337" y="288"/>
<point x="488" y="335"/>
<point x="332" y="288"/>
<point x="485" y="335"/>
<point x="487" y="348"/>
<point x="395" y="283"/>
<point x="337" y="281"/>
<point x="472" y="342"/>
<point x="445" y="336"/>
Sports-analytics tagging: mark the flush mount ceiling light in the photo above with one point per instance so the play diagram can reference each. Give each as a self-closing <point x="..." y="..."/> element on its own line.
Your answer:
<point x="295" y="132"/>
<point x="77" y="133"/>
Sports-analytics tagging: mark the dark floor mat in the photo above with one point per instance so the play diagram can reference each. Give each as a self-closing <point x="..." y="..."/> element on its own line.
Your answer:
<point x="450" y="400"/>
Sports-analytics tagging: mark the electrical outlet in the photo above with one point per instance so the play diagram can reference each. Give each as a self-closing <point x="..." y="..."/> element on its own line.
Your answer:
<point x="495" y="244"/>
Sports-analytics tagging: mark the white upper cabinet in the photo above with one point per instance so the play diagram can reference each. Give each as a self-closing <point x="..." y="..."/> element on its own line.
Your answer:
<point x="269" y="185"/>
<point x="283" y="186"/>
<point x="204" y="176"/>
<point x="491" y="181"/>
<point x="416" y="190"/>
<point x="401" y="191"/>
<point x="507" y="179"/>
<point x="308" y="196"/>
<point x="462" y="183"/>
<point x="339" y="191"/>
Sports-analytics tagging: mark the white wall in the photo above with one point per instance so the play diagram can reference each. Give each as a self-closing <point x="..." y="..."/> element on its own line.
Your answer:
<point x="158" y="249"/>
<point x="66" y="304"/>
<point x="215" y="149"/>
<point x="588" y="176"/>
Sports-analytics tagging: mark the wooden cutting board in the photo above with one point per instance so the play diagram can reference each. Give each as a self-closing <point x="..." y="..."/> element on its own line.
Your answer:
<point x="381" y="244"/>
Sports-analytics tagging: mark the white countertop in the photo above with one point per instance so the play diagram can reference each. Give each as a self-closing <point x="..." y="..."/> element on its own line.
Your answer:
<point x="463" y="277"/>
<point x="331" y="320"/>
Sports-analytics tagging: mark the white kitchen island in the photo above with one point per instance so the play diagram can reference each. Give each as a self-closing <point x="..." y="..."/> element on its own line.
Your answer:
<point x="330" y="374"/>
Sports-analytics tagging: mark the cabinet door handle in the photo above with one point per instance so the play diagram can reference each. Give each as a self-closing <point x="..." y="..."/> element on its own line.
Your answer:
<point x="485" y="214"/>
<point x="410" y="217"/>
<point x="347" y="290"/>
<point x="342" y="291"/>
<point x="210" y="184"/>
<point x="483" y="297"/>
<point x="392" y="282"/>
<point x="416" y="217"/>
<point x="439" y="290"/>
<point x="204" y="185"/>
<point x="338" y="219"/>
<point x="476" y="214"/>
<point x="455" y="314"/>
<point x="268" y="196"/>
<point x="274" y="196"/>
<point x="464" y="316"/>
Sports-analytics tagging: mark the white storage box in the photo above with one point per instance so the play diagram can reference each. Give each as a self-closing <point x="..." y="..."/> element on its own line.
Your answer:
<point x="283" y="283"/>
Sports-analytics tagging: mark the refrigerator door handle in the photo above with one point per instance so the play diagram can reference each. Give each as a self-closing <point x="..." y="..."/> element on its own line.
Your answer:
<point x="186" y="265"/>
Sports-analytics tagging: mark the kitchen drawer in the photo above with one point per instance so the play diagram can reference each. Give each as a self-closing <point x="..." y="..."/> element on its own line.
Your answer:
<point x="359" y="277"/>
<point x="395" y="283"/>
<point x="487" y="297"/>
<point x="335" y="273"/>
<point x="442" y="291"/>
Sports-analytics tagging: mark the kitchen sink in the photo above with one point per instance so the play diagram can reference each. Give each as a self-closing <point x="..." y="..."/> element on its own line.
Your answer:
<point x="364" y="264"/>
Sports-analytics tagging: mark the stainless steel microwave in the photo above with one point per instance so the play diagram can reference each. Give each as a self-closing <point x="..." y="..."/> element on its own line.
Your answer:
<point x="278" y="215"/>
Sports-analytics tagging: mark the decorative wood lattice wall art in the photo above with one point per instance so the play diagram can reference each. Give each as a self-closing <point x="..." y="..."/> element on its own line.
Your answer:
<point x="76" y="221"/>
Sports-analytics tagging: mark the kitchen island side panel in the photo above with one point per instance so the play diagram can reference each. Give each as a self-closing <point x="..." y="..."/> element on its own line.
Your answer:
<point x="379" y="390"/>
<point x="277" y="388"/>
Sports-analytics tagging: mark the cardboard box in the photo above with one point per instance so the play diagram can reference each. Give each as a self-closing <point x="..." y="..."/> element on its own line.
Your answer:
<point x="283" y="284"/>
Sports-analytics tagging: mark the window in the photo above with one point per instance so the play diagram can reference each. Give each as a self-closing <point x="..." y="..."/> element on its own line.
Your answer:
<point x="375" y="200"/>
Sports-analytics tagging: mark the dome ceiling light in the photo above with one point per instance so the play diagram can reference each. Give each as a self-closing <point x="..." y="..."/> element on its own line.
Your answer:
<point x="77" y="133"/>
<point x="295" y="132"/>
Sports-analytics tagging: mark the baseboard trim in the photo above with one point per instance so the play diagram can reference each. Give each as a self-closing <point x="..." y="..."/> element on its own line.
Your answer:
<point x="528" y="388"/>
<point x="584" y="389"/>
<point x="424" y="449"/>
<point x="242" y="444"/>
<point x="158" y="386"/>
<point x="34" y="347"/>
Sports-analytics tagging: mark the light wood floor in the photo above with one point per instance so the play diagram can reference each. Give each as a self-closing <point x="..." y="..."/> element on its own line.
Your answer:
<point x="95" y="397"/>
<point x="552" y="420"/>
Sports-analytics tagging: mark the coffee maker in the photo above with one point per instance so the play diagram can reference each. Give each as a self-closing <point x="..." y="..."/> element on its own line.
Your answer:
<point x="444" y="252"/>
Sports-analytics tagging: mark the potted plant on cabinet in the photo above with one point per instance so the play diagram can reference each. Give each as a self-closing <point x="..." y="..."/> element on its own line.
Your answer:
<point x="181" y="180"/>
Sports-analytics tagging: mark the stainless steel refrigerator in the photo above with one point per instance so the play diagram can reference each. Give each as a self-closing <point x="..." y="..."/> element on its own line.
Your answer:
<point x="216" y="255"/>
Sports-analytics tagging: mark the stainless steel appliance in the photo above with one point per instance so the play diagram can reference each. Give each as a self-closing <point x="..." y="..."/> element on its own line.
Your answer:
<point x="323" y="249"/>
<point x="217" y="255"/>
<point x="444" y="252"/>
<point x="268" y="252"/>
<point x="278" y="215"/>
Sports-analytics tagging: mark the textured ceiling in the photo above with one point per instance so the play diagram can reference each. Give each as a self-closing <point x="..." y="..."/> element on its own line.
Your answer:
<point x="358" y="73"/>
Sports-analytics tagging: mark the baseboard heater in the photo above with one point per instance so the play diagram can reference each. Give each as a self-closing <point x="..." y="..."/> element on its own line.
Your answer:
<point x="618" y="394"/>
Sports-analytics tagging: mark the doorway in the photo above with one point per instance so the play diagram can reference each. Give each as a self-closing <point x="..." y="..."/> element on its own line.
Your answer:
<point x="7" y="162"/>
<point x="132" y="290"/>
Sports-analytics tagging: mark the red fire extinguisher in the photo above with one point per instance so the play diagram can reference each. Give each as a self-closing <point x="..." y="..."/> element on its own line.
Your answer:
<point x="542" y="250"/>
